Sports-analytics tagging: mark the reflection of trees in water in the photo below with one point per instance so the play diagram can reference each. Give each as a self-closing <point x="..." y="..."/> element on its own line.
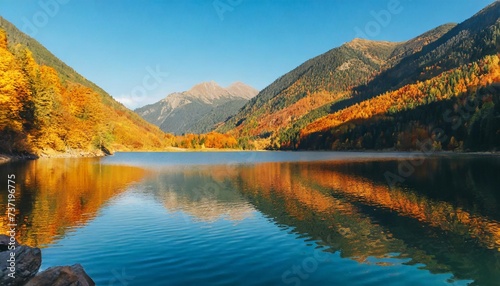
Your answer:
<point x="363" y="218"/>
<point x="58" y="194"/>
<point x="444" y="216"/>
<point x="468" y="182"/>
<point x="409" y="203"/>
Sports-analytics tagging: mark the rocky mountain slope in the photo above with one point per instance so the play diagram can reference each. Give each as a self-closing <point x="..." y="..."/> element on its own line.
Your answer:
<point x="199" y="109"/>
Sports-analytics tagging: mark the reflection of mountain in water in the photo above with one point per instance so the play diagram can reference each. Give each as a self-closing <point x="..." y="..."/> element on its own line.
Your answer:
<point x="347" y="207"/>
<point x="363" y="218"/>
<point x="199" y="194"/>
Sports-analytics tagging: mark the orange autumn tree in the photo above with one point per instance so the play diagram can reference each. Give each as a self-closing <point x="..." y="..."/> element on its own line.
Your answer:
<point x="212" y="140"/>
<point x="220" y="141"/>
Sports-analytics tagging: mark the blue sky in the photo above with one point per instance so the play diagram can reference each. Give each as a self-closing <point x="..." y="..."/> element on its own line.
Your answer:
<point x="140" y="51"/>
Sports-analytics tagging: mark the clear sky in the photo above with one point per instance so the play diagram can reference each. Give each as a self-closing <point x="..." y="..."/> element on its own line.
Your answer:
<point x="118" y="43"/>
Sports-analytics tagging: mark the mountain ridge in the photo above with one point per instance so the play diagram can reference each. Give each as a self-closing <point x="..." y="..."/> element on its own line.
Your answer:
<point x="198" y="109"/>
<point x="358" y="71"/>
<point x="368" y="56"/>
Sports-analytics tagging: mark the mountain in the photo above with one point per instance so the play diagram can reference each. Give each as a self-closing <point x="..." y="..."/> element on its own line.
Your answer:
<point x="46" y="107"/>
<point x="242" y="90"/>
<point x="199" y="109"/>
<point x="311" y="106"/>
<point x="322" y="80"/>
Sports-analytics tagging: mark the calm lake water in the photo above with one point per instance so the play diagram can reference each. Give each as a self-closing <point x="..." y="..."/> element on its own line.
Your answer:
<point x="264" y="218"/>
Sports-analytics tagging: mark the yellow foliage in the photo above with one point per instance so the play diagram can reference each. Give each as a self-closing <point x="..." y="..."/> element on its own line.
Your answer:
<point x="3" y="39"/>
<point x="39" y="113"/>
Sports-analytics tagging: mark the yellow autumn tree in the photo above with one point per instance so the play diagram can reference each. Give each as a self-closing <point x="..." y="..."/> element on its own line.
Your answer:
<point x="13" y="94"/>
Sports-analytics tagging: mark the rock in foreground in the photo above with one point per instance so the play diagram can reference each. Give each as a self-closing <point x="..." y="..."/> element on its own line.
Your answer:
<point x="62" y="276"/>
<point x="25" y="265"/>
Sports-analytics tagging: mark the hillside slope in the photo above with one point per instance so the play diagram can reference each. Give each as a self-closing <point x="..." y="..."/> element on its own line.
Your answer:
<point x="434" y="87"/>
<point x="199" y="109"/>
<point x="308" y="92"/>
<point x="356" y="72"/>
<point x="47" y="108"/>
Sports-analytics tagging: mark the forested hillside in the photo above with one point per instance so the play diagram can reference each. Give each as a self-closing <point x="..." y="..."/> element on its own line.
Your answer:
<point x="311" y="90"/>
<point x="47" y="110"/>
<point x="456" y="110"/>
<point x="379" y="95"/>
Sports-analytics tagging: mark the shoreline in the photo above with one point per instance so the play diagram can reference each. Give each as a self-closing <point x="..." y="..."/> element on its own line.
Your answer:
<point x="72" y="154"/>
<point x="7" y="158"/>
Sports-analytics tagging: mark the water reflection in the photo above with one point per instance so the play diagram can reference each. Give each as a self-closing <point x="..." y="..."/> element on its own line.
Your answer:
<point x="348" y="207"/>
<point x="362" y="217"/>
<point x="409" y="203"/>
<point x="56" y="195"/>
<point x="444" y="217"/>
<point x="201" y="193"/>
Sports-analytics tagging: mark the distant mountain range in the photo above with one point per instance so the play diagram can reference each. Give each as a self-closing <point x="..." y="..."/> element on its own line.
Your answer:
<point x="199" y="109"/>
<point x="381" y="95"/>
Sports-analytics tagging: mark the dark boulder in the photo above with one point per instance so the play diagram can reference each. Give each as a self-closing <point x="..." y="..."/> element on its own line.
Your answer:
<point x="62" y="276"/>
<point x="18" y="271"/>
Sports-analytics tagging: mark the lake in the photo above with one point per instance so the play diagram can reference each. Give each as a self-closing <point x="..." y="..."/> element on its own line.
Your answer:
<point x="264" y="218"/>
